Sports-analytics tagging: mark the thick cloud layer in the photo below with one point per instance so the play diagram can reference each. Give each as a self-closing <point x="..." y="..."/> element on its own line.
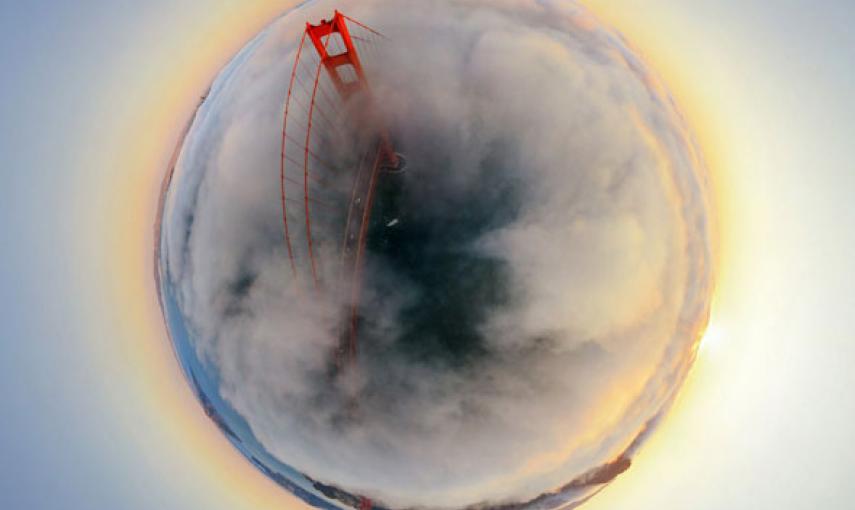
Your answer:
<point x="534" y="305"/>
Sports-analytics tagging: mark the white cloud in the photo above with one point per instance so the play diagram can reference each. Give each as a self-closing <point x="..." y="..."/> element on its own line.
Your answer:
<point x="604" y="253"/>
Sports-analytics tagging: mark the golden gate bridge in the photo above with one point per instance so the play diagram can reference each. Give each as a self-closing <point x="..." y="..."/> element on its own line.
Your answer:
<point x="335" y="147"/>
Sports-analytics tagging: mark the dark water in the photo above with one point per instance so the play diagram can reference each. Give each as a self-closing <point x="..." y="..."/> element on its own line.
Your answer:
<point x="422" y="243"/>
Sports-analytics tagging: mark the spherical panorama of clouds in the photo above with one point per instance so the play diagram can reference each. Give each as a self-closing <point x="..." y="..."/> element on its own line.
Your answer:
<point x="532" y="285"/>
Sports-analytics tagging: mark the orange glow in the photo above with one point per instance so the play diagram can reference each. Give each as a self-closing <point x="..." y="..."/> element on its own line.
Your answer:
<point x="707" y="127"/>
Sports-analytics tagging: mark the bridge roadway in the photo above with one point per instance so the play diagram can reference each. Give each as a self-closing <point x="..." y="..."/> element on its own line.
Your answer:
<point x="353" y="248"/>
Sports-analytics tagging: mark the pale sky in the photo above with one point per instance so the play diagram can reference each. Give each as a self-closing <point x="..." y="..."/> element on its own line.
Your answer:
<point x="96" y="414"/>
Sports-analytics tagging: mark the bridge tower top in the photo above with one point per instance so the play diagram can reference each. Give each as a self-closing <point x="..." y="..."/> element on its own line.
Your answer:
<point x="348" y="59"/>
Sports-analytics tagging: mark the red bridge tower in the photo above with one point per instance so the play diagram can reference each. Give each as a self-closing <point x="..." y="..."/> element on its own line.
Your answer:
<point x="329" y="103"/>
